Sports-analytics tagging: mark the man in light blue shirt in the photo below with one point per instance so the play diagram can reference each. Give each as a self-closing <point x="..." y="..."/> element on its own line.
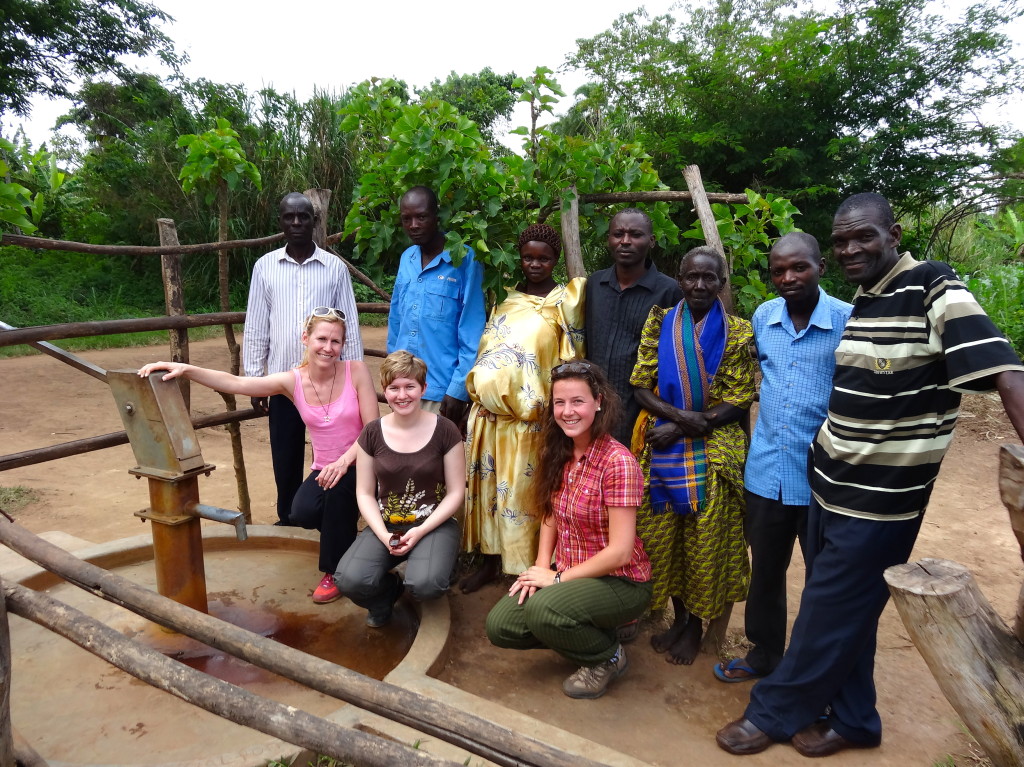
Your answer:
<point x="796" y="335"/>
<point x="437" y="308"/>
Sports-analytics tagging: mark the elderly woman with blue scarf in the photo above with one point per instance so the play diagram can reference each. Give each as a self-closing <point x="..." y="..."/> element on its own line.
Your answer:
<point x="695" y="381"/>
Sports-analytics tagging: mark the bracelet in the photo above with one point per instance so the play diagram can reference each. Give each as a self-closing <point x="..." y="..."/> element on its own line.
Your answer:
<point x="558" y="576"/>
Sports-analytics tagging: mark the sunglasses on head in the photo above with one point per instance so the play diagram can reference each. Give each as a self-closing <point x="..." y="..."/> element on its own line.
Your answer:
<point x="571" y="367"/>
<point x="328" y="311"/>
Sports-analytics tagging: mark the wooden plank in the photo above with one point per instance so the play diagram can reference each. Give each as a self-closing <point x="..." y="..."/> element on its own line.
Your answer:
<point x="662" y="195"/>
<point x="174" y="300"/>
<point x="321" y="199"/>
<point x="6" y="728"/>
<point x="41" y="243"/>
<point x="707" y="221"/>
<point x="571" y="236"/>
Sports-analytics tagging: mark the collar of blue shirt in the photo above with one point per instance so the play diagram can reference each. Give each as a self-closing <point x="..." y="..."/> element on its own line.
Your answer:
<point x="821" y="317"/>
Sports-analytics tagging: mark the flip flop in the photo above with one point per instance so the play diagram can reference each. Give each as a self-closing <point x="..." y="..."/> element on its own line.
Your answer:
<point x="736" y="664"/>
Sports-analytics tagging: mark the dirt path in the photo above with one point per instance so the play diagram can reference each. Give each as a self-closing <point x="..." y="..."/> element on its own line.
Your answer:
<point x="664" y="714"/>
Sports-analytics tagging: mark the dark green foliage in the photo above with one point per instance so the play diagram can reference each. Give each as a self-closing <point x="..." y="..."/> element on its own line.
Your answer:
<point x="485" y="201"/>
<point x="877" y="95"/>
<point x="129" y="163"/>
<point x="47" y="287"/>
<point x="49" y="43"/>
<point x="485" y="98"/>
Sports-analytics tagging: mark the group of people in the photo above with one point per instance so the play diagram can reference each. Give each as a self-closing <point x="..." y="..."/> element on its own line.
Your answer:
<point x="606" y="463"/>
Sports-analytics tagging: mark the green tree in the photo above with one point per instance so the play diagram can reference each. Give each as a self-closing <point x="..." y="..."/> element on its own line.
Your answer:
<point x="15" y="199"/>
<point x="775" y="95"/>
<point x="49" y="43"/>
<point x="217" y="165"/>
<point x="486" y="98"/>
<point x="485" y="200"/>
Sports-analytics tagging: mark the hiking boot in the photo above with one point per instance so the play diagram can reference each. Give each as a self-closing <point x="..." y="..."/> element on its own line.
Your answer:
<point x="592" y="681"/>
<point x="327" y="591"/>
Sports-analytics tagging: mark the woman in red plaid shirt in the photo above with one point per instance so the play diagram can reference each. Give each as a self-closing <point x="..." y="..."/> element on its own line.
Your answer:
<point x="588" y="488"/>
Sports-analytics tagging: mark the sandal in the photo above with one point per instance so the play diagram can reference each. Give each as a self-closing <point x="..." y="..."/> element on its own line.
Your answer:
<point x="736" y="664"/>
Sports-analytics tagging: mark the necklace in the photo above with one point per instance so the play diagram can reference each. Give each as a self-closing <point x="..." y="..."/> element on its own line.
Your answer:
<point x="327" y="415"/>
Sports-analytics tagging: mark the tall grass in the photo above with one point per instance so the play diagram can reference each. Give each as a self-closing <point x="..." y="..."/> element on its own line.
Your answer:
<point x="51" y="287"/>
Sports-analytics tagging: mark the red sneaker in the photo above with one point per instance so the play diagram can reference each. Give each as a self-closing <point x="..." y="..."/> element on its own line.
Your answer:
<point x="327" y="591"/>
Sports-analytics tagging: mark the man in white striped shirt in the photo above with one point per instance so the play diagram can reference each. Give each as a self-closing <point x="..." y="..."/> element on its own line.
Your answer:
<point x="287" y="285"/>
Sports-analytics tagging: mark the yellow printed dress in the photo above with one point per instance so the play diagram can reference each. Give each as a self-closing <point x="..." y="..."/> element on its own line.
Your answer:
<point x="701" y="558"/>
<point x="509" y="386"/>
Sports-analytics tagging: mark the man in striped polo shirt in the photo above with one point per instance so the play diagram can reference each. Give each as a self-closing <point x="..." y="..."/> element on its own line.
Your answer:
<point x="287" y="285"/>
<point x="916" y="340"/>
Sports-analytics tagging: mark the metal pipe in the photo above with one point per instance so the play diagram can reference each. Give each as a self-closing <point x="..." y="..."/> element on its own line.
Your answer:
<point x="178" y="542"/>
<point x="217" y="514"/>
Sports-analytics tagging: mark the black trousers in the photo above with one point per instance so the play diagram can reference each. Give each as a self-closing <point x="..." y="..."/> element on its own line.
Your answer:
<point x="771" y="528"/>
<point x="287" y="451"/>
<point x="333" y="512"/>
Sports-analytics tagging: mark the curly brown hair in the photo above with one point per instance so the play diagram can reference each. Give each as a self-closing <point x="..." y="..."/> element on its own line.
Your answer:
<point x="556" y="447"/>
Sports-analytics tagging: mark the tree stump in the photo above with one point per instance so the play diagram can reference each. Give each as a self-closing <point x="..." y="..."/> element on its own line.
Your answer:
<point x="1011" y="491"/>
<point x="977" y="661"/>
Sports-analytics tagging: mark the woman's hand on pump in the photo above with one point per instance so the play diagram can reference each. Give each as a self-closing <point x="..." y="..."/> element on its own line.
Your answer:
<point x="174" y="369"/>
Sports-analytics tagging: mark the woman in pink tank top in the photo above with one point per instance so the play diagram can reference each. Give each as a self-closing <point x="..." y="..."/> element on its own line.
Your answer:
<point x="335" y="399"/>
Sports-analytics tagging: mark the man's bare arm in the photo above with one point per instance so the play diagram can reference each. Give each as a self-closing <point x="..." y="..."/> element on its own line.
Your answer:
<point x="1010" y="384"/>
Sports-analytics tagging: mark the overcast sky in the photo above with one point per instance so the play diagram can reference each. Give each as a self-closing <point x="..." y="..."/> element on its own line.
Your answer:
<point x="298" y="44"/>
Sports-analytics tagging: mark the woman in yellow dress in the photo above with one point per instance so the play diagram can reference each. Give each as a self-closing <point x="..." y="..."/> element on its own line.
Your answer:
<point x="538" y="325"/>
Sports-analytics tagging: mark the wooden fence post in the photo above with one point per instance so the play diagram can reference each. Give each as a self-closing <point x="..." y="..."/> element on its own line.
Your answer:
<point x="571" y="236"/>
<point x="321" y="199"/>
<point x="977" y="662"/>
<point x="6" y="730"/>
<point x="707" y="221"/>
<point x="174" y="298"/>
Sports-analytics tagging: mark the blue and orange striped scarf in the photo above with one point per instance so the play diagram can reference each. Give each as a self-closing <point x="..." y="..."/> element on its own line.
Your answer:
<point x="688" y="358"/>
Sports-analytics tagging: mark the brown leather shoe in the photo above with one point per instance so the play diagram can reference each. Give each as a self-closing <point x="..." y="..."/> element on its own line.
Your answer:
<point x="742" y="737"/>
<point x="819" y="739"/>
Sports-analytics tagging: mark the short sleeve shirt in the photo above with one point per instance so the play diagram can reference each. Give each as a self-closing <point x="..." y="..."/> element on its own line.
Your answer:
<point x="606" y="476"/>
<point x="409" y="485"/>
<point x="796" y="381"/>
<point x="914" y="342"/>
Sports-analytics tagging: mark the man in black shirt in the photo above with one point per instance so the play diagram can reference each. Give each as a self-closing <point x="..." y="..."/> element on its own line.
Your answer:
<point x="618" y="301"/>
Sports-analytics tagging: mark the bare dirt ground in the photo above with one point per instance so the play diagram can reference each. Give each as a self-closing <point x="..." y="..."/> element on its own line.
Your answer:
<point x="666" y="715"/>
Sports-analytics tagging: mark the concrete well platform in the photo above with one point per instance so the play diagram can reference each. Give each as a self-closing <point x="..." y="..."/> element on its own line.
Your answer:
<point x="76" y="709"/>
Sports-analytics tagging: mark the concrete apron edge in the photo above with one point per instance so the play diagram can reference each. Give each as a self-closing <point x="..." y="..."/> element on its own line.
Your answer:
<point x="412" y="672"/>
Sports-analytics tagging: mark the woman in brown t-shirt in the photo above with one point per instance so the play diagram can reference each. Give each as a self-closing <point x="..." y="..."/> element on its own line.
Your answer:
<point x="410" y="481"/>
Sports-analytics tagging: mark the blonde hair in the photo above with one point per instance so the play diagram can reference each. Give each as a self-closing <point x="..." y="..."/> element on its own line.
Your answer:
<point x="402" y="364"/>
<point x="312" y="322"/>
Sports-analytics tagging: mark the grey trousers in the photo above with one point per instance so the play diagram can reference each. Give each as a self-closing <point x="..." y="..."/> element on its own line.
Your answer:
<point x="362" y="572"/>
